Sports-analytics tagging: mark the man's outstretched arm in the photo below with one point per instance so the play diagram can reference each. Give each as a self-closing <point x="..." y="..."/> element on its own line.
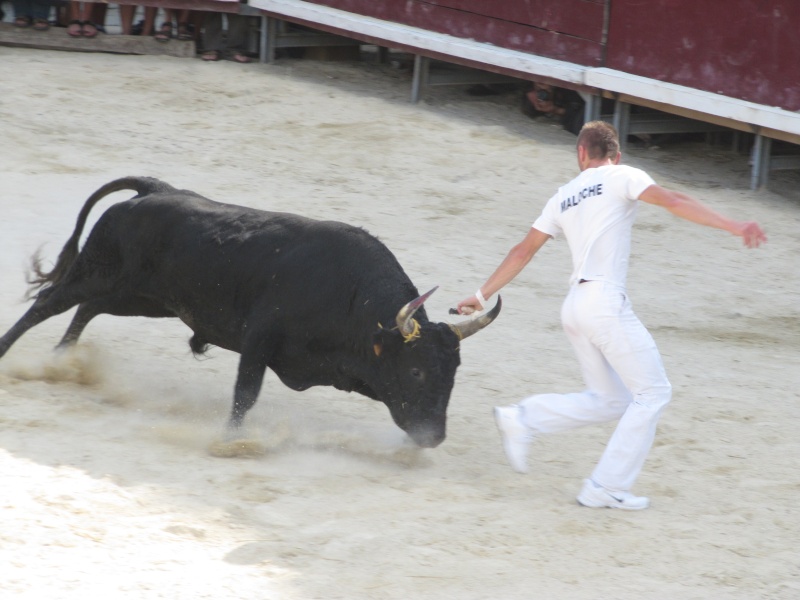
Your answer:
<point x="688" y="208"/>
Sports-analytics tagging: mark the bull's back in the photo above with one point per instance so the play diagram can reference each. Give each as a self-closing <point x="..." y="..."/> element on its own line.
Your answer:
<point x="219" y="266"/>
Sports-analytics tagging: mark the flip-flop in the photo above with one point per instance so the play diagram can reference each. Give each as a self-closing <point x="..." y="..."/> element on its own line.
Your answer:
<point x="241" y="58"/>
<point x="210" y="56"/>
<point x="73" y="31"/>
<point x="22" y="22"/>
<point x="89" y="33"/>
<point x="164" y="34"/>
<point x="185" y="32"/>
<point x="41" y="24"/>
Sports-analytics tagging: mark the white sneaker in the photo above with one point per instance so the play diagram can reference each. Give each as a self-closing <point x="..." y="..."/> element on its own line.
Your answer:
<point x="594" y="496"/>
<point x="516" y="436"/>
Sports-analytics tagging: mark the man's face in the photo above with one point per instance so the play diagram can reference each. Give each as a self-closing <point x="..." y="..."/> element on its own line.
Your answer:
<point x="542" y="97"/>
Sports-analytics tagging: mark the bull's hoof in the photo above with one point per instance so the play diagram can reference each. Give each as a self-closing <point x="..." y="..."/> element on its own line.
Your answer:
<point x="237" y="449"/>
<point x="82" y="365"/>
<point x="233" y="445"/>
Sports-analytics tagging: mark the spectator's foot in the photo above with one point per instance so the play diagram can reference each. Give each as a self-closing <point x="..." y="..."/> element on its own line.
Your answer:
<point x="210" y="56"/>
<point x="22" y="22"/>
<point x="241" y="58"/>
<point x="75" y="29"/>
<point x="164" y="34"/>
<point x="185" y="32"/>
<point x="41" y="24"/>
<point x="88" y="30"/>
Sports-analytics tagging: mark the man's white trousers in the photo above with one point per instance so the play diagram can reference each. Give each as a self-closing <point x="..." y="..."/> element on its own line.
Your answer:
<point x="625" y="380"/>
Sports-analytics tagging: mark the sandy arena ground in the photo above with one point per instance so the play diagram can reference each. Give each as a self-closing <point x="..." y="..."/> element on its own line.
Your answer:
<point x="107" y="485"/>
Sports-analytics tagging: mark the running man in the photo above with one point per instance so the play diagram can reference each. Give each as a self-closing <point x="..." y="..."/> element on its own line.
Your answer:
<point x="621" y="366"/>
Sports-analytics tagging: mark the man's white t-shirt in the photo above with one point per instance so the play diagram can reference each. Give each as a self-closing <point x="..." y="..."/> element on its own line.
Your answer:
<point x="595" y="212"/>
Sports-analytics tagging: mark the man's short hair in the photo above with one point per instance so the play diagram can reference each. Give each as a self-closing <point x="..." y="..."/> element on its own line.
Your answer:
<point x="600" y="139"/>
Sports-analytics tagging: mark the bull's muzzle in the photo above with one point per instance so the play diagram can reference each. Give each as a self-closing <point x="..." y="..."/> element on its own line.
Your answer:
<point x="427" y="437"/>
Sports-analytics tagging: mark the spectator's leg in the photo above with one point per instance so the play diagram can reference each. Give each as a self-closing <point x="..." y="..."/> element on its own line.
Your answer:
<point x="212" y="36"/>
<point x="99" y="10"/>
<point x="164" y="33"/>
<point x="126" y="15"/>
<point x="237" y="32"/>
<point x="150" y="14"/>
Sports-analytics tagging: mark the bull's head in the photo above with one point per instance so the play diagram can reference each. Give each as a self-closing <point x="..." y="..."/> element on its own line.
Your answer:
<point x="417" y="366"/>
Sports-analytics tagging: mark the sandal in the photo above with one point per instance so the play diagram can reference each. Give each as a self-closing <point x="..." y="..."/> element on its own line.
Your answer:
<point x="22" y="22"/>
<point x="41" y="24"/>
<point x="75" y="29"/>
<point x="164" y="34"/>
<point x="89" y="33"/>
<point x="185" y="32"/>
<point x="240" y="57"/>
<point x="210" y="55"/>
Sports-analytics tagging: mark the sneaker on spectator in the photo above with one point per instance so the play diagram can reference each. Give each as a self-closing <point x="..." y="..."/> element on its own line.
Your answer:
<point x="595" y="496"/>
<point x="515" y="434"/>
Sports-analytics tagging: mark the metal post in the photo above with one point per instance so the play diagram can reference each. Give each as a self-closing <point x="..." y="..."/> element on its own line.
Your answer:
<point x="420" y="78"/>
<point x="382" y="55"/>
<point x="755" y="162"/>
<point x="622" y="117"/>
<point x="766" y="154"/>
<point x="272" y="38"/>
<point x="262" y="42"/>
<point x="591" y="110"/>
<point x="736" y="141"/>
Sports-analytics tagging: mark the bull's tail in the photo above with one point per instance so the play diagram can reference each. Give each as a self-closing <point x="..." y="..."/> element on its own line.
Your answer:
<point x="38" y="278"/>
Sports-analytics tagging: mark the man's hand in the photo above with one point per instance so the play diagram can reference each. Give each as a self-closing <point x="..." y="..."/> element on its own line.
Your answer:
<point x="469" y="305"/>
<point x="751" y="233"/>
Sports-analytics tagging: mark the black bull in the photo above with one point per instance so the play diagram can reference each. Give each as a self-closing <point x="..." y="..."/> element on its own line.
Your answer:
<point x="318" y="302"/>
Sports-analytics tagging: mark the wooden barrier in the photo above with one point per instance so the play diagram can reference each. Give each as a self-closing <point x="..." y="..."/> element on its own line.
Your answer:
<point x="593" y="81"/>
<point x="514" y="39"/>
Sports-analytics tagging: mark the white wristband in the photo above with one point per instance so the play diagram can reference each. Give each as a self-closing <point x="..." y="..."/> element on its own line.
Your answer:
<point x="481" y="299"/>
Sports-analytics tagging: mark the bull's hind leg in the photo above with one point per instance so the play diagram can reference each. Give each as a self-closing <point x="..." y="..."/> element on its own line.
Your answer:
<point x="86" y="312"/>
<point x="119" y="305"/>
<point x="50" y="302"/>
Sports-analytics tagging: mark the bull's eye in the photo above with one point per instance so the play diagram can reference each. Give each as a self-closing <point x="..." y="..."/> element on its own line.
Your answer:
<point x="416" y="373"/>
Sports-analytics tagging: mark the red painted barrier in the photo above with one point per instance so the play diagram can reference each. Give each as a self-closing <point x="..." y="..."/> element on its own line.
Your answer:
<point x="746" y="49"/>
<point x="569" y="30"/>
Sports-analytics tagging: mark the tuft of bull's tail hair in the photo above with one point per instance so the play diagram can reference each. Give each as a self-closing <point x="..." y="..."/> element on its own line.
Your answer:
<point x="198" y="345"/>
<point x="38" y="278"/>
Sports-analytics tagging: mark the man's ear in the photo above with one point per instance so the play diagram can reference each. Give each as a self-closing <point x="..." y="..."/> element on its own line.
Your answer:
<point x="581" y="156"/>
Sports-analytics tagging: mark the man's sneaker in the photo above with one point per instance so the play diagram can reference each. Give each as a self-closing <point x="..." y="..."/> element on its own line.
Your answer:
<point x="516" y="436"/>
<point x="595" y="496"/>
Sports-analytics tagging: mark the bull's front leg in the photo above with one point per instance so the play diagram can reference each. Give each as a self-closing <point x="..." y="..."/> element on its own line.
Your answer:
<point x="252" y="366"/>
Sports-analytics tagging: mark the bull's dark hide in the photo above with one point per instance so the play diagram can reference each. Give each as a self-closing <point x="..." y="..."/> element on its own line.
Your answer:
<point x="318" y="302"/>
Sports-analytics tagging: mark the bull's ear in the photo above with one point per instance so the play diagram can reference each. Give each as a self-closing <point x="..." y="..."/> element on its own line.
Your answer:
<point x="377" y="340"/>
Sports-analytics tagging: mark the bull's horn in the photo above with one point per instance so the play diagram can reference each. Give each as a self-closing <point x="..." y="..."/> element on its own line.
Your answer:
<point x="405" y="321"/>
<point x="467" y="328"/>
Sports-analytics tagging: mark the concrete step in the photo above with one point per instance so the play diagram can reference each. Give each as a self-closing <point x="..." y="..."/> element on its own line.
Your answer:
<point x="56" y="38"/>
